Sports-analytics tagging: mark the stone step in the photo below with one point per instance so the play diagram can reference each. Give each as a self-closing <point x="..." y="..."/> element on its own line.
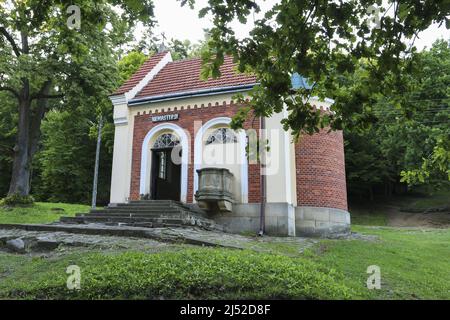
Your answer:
<point x="157" y="204"/>
<point x="177" y="218"/>
<point x="147" y="203"/>
<point x="169" y="235"/>
<point x="146" y="213"/>
<point x="141" y="208"/>
<point x="151" y="202"/>
<point x="150" y="210"/>
<point x="77" y="221"/>
<point x="146" y="207"/>
<point x="109" y="219"/>
<point x="134" y="214"/>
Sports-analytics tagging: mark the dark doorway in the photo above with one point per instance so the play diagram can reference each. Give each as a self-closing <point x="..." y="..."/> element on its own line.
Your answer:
<point x="166" y="176"/>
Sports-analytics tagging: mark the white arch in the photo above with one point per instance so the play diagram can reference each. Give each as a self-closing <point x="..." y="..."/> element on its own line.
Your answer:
<point x="184" y="141"/>
<point x="198" y="152"/>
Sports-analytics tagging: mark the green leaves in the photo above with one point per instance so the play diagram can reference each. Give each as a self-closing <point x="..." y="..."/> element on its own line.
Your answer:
<point x="322" y="41"/>
<point x="57" y="53"/>
<point x="41" y="56"/>
<point x="406" y="134"/>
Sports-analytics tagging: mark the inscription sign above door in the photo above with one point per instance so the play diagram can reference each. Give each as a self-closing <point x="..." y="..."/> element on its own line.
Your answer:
<point x="166" y="117"/>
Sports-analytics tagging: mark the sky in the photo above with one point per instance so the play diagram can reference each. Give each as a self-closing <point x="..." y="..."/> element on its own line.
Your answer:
<point x="183" y="23"/>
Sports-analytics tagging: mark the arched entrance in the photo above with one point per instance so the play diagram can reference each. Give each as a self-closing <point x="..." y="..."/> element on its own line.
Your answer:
<point x="164" y="163"/>
<point x="166" y="171"/>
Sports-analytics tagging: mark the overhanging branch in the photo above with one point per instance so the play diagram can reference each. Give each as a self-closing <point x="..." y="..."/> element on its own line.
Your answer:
<point x="47" y="96"/>
<point x="12" y="90"/>
<point x="10" y="40"/>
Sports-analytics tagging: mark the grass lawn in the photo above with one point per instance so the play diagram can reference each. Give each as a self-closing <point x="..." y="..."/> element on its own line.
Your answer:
<point x="414" y="264"/>
<point x="192" y="273"/>
<point x="40" y="212"/>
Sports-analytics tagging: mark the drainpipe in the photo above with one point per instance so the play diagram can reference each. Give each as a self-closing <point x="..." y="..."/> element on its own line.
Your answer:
<point x="262" y="213"/>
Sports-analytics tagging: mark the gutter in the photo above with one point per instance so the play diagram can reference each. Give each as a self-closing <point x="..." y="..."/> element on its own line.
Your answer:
<point x="187" y="94"/>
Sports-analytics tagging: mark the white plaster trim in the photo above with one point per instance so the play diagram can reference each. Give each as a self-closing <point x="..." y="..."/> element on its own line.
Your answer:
<point x="184" y="156"/>
<point x="161" y="64"/>
<point x="117" y="100"/>
<point x="121" y="121"/>
<point x="198" y="152"/>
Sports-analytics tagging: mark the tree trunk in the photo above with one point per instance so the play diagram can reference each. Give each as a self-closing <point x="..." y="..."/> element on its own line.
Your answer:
<point x="36" y="119"/>
<point x="20" y="180"/>
<point x="28" y="132"/>
<point x="37" y="115"/>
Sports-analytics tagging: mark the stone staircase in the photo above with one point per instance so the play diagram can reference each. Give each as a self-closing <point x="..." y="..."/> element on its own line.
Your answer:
<point x="146" y="213"/>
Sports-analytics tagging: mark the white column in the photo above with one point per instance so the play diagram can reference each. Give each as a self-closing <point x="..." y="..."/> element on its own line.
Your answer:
<point x="121" y="167"/>
<point x="278" y="167"/>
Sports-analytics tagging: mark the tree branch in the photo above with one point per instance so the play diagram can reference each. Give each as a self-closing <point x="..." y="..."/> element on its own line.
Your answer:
<point x="46" y="96"/>
<point x="44" y="92"/>
<point x="10" y="40"/>
<point x="13" y="91"/>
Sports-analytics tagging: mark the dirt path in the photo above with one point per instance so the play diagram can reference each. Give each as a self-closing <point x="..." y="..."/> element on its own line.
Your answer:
<point x="396" y="218"/>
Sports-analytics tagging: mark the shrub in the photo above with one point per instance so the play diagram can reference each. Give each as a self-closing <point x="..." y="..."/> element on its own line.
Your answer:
<point x="17" y="200"/>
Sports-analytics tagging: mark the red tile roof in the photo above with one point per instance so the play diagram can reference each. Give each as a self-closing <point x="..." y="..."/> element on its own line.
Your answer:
<point x="146" y="67"/>
<point x="184" y="76"/>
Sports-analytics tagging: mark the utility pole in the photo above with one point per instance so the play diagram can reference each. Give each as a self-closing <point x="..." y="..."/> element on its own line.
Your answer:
<point x="97" y="159"/>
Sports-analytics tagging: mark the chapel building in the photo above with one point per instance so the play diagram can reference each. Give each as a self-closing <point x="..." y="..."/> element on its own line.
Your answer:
<point x="170" y="126"/>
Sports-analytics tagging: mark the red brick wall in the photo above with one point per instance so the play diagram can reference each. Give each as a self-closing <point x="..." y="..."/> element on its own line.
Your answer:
<point x="320" y="170"/>
<point x="143" y="124"/>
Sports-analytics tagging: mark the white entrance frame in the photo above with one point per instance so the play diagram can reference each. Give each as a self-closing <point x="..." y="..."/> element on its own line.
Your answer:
<point x="198" y="152"/>
<point x="184" y="141"/>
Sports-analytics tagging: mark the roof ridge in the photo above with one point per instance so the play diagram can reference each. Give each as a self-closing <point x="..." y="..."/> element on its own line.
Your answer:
<point x="184" y="75"/>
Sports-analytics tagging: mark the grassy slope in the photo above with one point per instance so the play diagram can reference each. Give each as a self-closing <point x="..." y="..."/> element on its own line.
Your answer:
<point x="374" y="213"/>
<point x="414" y="264"/>
<point x="422" y="202"/>
<point x="40" y="212"/>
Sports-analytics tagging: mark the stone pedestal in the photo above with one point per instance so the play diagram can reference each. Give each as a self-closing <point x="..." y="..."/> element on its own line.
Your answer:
<point x="215" y="189"/>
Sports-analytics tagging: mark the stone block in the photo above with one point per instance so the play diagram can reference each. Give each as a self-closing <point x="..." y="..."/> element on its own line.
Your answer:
<point x="321" y="214"/>
<point x="339" y="216"/>
<point x="16" y="245"/>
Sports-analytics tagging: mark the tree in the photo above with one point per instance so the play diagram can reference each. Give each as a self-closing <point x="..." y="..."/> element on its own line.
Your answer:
<point x="8" y="131"/>
<point x="322" y="41"/>
<point x="150" y="44"/>
<point x="198" y="49"/>
<point x="407" y="142"/>
<point x="129" y="64"/>
<point x="66" y="159"/>
<point x="432" y="118"/>
<point x="44" y="61"/>
<point x="179" y="49"/>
